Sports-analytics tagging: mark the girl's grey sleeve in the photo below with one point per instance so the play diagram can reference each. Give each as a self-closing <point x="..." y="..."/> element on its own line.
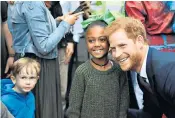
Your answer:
<point x="124" y="92"/>
<point x="76" y="95"/>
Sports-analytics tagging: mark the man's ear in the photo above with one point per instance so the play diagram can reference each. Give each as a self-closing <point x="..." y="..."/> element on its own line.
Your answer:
<point x="140" y="41"/>
<point x="13" y="79"/>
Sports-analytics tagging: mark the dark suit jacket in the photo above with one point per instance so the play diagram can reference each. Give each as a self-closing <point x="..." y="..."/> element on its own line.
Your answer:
<point x="160" y="69"/>
<point x="150" y="110"/>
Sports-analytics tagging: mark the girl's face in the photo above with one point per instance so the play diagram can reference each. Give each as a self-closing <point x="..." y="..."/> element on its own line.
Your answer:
<point x="97" y="43"/>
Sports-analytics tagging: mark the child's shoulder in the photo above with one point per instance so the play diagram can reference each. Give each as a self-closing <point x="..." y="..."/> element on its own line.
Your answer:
<point x="6" y="87"/>
<point x="6" y="81"/>
<point x="116" y="66"/>
<point x="84" y="67"/>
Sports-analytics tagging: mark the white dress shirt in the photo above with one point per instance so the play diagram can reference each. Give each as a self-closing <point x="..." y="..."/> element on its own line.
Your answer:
<point x="137" y="90"/>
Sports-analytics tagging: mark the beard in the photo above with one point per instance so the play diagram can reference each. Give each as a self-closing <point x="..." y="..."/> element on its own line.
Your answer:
<point x="135" y="62"/>
<point x="132" y="62"/>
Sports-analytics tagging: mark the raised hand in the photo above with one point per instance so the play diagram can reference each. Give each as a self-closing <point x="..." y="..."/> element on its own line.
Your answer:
<point x="71" y="18"/>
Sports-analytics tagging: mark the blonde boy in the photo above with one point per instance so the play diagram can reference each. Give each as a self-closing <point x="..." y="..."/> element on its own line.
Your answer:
<point x="16" y="94"/>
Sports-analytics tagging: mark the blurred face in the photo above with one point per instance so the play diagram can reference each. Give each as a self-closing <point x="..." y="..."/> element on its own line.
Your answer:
<point x="97" y="43"/>
<point x="25" y="81"/>
<point x="125" y="51"/>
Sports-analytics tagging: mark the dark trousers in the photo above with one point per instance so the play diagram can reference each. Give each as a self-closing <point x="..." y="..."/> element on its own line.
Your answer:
<point x="74" y="58"/>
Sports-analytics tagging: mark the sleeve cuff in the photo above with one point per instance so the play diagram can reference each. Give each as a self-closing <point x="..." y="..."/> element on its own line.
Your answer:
<point x="76" y="37"/>
<point x="65" y="24"/>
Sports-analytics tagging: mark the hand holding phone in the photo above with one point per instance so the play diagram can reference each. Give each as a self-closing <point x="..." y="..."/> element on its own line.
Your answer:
<point x="71" y="18"/>
<point x="79" y="9"/>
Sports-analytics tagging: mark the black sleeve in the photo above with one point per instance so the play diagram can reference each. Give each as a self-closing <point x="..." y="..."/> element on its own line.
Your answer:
<point x="4" y="6"/>
<point x="69" y="37"/>
<point x="56" y="9"/>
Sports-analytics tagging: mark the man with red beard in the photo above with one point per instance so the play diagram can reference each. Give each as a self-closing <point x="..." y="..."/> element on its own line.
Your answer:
<point x="155" y="69"/>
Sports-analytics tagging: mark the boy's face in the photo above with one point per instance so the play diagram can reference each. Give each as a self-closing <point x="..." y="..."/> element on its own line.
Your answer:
<point x="25" y="81"/>
<point x="97" y="43"/>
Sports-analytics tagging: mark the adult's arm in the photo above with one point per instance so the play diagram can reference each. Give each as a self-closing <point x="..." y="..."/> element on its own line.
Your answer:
<point x="70" y="6"/>
<point x="8" y="36"/>
<point x="167" y="73"/>
<point x="9" y="43"/>
<point x="38" y="23"/>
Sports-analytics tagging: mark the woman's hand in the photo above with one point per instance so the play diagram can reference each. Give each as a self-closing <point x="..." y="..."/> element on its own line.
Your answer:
<point x="71" y="18"/>
<point x="86" y="8"/>
<point x="9" y="65"/>
<point x="60" y="18"/>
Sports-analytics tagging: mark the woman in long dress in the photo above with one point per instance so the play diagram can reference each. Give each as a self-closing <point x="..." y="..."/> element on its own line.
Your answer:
<point x="36" y="34"/>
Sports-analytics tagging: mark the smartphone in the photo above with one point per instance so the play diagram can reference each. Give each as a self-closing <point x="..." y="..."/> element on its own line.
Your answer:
<point x="79" y="9"/>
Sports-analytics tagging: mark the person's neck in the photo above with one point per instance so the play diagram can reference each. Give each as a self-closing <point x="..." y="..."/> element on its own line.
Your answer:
<point x="16" y="90"/>
<point x="143" y="54"/>
<point x="101" y="64"/>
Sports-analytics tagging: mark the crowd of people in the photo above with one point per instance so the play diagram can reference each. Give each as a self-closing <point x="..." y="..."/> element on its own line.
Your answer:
<point x="129" y="74"/>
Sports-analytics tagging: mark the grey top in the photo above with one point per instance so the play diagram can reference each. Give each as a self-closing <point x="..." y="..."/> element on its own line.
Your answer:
<point x="5" y="112"/>
<point x="98" y="94"/>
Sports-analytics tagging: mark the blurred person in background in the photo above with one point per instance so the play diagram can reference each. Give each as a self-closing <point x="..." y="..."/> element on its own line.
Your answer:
<point x="67" y="47"/>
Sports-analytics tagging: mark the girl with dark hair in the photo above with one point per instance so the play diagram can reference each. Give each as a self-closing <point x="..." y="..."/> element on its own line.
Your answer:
<point x="99" y="88"/>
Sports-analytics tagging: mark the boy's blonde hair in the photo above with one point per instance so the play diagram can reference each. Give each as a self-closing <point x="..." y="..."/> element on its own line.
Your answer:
<point x="25" y="62"/>
<point x="132" y="27"/>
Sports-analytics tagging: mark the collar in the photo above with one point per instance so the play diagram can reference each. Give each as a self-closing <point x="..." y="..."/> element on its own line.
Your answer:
<point x="143" y="69"/>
